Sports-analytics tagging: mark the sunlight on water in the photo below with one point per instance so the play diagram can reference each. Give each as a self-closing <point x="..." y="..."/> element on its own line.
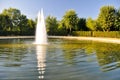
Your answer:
<point x="41" y="58"/>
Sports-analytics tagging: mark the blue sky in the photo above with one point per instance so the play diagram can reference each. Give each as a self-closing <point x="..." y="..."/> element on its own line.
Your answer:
<point x="57" y="8"/>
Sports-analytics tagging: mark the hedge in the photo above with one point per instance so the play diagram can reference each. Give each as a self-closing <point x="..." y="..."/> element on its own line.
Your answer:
<point x="81" y="33"/>
<point x="112" y="34"/>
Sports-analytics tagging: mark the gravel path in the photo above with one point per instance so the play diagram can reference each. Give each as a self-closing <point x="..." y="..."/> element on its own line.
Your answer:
<point x="13" y="37"/>
<point x="100" y="39"/>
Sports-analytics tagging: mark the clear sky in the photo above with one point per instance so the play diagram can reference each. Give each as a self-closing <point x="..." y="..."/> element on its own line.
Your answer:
<point x="57" y="8"/>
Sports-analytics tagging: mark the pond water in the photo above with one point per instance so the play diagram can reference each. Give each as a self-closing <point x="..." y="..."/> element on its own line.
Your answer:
<point x="62" y="59"/>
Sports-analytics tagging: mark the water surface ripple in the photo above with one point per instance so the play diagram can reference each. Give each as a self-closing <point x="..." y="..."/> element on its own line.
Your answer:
<point x="60" y="60"/>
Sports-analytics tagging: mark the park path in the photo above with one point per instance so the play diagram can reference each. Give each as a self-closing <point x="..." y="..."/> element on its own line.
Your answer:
<point x="15" y="37"/>
<point x="100" y="39"/>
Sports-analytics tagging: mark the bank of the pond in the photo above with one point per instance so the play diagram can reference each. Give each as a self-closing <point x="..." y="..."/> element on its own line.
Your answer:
<point x="100" y="39"/>
<point x="15" y="37"/>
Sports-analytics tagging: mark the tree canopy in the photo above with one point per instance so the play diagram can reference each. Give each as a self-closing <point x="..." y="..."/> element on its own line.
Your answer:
<point x="91" y="24"/>
<point x="106" y="18"/>
<point x="15" y="23"/>
<point x="82" y="25"/>
<point x="70" y="20"/>
<point x="117" y="20"/>
<point x="52" y="25"/>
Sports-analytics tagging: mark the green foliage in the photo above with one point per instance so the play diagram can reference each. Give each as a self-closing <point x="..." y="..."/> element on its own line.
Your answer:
<point x="52" y="25"/>
<point x="70" y="21"/>
<point x="81" y="33"/>
<point x="12" y="22"/>
<point x="117" y="20"/>
<point x="5" y="23"/>
<point x="14" y="15"/>
<point x="112" y="34"/>
<point x="91" y="24"/>
<point x="106" y="18"/>
<point x="82" y="25"/>
<point x="29" y="28"/>
<point x="62" y="29"/>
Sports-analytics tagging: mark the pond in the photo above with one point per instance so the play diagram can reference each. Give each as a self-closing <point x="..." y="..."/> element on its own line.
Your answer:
<point x="62" y="59"/>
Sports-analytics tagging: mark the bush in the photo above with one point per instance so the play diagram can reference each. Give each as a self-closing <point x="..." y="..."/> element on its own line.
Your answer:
<point x="112" y="34"/>
<point x="82" y="33"/>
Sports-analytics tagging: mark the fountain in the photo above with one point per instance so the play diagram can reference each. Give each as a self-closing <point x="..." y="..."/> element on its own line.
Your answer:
<point x="41" y="35"/>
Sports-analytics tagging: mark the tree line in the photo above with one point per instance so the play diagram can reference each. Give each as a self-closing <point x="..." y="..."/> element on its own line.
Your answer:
<point x="13" y="22"/>
<point x="107" y="20"/>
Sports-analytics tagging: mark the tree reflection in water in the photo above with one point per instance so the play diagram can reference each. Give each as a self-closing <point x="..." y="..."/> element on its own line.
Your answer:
<point x="13" y="53"/>
<point x="107" y="54"/>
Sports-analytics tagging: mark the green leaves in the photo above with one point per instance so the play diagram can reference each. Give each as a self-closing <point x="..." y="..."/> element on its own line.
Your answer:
<point x="117" y="20"/>
<point x="12" y="22"/>
<point x="52" y="25"/>
<point x="70" y="20"/>
<point x="91" y="24"/>
<point x="106" y="18"/>
<point x="81" y="25"/>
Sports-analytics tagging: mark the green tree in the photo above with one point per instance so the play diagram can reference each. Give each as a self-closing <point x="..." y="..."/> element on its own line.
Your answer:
<point x="70" y="20"/>
<point x="82" y="25"/>
<point x="117" y="20"/>
<point x="52" y="25"/>
<point x="22" y="26"/>
<point x="106" y="17"/>
<point x="31" y="27"/>
<point x="62" y="29"/>
<point x="14" y="15"/>
<point x="17" y="23"/>
<point x="5" y="24"/>
<point x="91" y="24"/>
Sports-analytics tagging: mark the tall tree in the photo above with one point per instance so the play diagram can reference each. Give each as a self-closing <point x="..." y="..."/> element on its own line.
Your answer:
<point x="70" y="20"/>
<point x="61" y="28"/>
<point x="82" y="25"/>
<point x="106" y="17"/>
<point x="117" y="20"/>
<point x="52" y="25"/>
<point x="5" y="24"/>
<point x="22" y="26"/>
<point x="19" y="25"/>
<point x="14" y="15"/>
<point x="31" y="27"/>
<point x="91" y="24"/>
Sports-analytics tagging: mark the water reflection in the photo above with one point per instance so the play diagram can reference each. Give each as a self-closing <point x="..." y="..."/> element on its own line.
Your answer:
<point x="12" y="54"/>
<point x="66" y="60"/>
<point x="41" y="58"/>
<point x="106" y="54"/>
<point x="109" y="59"/>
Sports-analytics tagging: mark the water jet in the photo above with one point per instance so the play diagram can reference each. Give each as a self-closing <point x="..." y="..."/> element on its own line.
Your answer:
<point x="41" y="34"/>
